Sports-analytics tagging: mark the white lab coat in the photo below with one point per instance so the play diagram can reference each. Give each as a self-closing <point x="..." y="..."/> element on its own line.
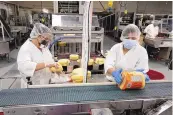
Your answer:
<point x="136" y="58"/>
<point x="28" y="57"/>
<point x="151" y="31"/>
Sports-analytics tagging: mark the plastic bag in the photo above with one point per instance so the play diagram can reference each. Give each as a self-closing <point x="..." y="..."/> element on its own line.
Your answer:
<point x="60" y="78"/>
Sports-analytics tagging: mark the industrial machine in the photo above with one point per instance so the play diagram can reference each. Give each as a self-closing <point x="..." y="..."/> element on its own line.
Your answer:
<point x="68" y="30"/>
<point x="162" y="44"/>
<point x="44" y="18"/>
<point x="5" y="38"/>
<point x="84" y="99"/>
<point x="109" y="22"/>
<point x="146" y="19"/>
<point x="124" y="20"/>
<point x="166" y="25"/>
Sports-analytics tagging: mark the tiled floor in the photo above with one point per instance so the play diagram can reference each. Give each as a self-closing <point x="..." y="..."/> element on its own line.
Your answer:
<point x="108" y="43"/>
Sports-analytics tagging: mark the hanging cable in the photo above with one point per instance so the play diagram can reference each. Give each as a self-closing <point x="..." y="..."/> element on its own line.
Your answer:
<point x="102" y="5"/>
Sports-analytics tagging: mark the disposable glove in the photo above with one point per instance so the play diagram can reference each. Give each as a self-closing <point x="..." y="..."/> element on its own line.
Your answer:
<point x="117" y="76"/>
<point x="52" y="64"/>
<point x="146" y="76"/>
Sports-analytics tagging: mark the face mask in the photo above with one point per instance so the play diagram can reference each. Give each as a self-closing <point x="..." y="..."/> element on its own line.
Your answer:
<point x="43" y="44"/>
<point x="129" y="44"/>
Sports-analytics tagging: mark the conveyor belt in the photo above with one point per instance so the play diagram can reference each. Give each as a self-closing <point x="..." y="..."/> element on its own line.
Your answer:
<point x="82" y="93"/>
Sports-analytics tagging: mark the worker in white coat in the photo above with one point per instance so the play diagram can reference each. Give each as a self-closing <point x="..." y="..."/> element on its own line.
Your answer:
<point x="152" y="30"/>
<point x="127" y="55"/>
<point x="34" y="58"/>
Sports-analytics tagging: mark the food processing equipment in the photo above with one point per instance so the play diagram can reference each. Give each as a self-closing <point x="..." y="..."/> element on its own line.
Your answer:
<point x="82" y="99"/>
<point x="68" y="30"/>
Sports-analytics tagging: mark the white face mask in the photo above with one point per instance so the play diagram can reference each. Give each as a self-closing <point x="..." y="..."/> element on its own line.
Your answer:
<point x="42" y="46"/>
<point x="129" y="44"/>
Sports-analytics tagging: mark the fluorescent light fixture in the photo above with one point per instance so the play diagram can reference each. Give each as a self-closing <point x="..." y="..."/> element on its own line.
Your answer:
<point x="45" y="10"/>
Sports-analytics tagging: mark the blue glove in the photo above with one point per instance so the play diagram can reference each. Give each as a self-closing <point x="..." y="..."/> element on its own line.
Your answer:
<point x="117" y="76"/>
<point x="146" y="76"/>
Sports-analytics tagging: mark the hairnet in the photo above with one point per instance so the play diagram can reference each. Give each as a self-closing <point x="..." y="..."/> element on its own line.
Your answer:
<point x="130" y="30"/>
<point x="151" y="16"/>
<point x="155" y="22"/>
<point x="40" y="29"/>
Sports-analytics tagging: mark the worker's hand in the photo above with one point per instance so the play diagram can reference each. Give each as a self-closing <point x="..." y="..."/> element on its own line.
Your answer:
<point x="117" y="75"/>
<point x="146" y="76"/>
<point x="56" y="65"/>
<point x="51" y="64"/>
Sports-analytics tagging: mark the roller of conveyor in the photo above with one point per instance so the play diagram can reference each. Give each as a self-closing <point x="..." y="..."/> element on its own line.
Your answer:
<point x="11" y="97"/>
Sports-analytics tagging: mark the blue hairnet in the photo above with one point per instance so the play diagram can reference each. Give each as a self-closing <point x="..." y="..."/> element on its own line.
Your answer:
<point x="131" y="28"/>
<point x="40" y="29"/>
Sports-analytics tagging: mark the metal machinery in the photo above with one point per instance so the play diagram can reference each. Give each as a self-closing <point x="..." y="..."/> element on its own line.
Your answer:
<point x="5" y="38"/>
<point x="84" y="99"/>
<point x="44" y="18"/>
<point x="109" y="22"/>
<point x="166" y="25"/>
<point x="162" y="44"/>
<point x="164" y="40"/>
<point x="146" y="19"/>
<point x="69" y="29"/>
<point x="20" y="27"/>
<point x="124" y="20"/>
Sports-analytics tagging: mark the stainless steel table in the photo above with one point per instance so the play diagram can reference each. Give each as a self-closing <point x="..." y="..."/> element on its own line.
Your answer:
<point x="165" y="45"/>
<point x="158" y="42"/>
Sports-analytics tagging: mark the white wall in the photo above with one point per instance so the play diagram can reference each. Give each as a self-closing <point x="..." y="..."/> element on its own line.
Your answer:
<point x="36" y="5"/>
<point x="129" y="6"/>
<point x="154" y="7"/>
